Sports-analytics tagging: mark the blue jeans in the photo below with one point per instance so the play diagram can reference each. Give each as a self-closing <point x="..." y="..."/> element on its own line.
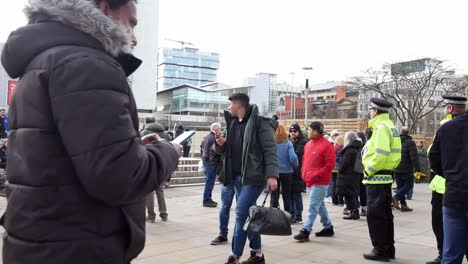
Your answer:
<point x="405" y="183"/>
<point x="210" y="179"/>
<point x="227" y="195"/>
<point x="296" y="205"/>
<point x="248" y="196"/>
<point x="455" y="234"/>
<point x="317" y="207"/>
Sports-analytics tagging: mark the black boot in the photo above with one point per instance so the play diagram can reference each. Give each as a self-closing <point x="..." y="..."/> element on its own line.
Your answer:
<point x="354" y="215"/>
<point x="326" y="232"/>
<point x="437" y="260"/>
<point x="303" y="236"/>
<point x="376" y="255"/>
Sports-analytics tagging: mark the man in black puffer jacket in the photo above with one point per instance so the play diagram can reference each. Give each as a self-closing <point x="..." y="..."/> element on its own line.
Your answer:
<point x="298" y="186"/>
<point x="404" y="172"/>
<point x="77" y="169"/>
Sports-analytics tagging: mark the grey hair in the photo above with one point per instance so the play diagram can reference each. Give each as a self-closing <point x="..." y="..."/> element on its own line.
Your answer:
<point x="349" y="137"/>
<point x="404" y="130"/>
<point x="214" y="126"/>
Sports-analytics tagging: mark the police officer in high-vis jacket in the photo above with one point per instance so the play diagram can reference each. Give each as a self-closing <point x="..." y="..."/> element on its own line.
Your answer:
<point x="381" y="154"/>
<point x="453" y="107"/>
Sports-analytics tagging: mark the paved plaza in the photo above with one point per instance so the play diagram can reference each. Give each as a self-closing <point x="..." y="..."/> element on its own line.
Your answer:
<point x="186" y="236"/>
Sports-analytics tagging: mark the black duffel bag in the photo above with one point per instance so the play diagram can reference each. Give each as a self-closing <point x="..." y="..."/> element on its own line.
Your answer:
<point x="268" y="221"/>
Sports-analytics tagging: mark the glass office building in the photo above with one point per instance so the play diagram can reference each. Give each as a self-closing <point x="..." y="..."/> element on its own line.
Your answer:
<point x="190" y="100"/>
<point x="186" y="66"/>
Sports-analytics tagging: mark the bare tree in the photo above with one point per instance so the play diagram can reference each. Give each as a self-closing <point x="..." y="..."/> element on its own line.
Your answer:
<point x="415" y="93"/>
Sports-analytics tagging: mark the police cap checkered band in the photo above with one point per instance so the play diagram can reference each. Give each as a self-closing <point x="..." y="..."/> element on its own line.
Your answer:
<point x="455" y="100"/>
<point x="378" y="107"/>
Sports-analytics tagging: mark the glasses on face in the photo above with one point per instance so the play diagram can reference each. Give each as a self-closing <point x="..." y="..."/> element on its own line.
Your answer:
<point x="292" y="131"/>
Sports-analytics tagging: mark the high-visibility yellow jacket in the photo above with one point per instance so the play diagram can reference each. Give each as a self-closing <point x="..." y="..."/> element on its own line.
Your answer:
<point x="382" y="152"/>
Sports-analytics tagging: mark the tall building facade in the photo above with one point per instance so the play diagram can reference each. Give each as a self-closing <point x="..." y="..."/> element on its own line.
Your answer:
<point x="144" y="80"/>
<point x="186" y="66"/>
<point x="264" y="92"/>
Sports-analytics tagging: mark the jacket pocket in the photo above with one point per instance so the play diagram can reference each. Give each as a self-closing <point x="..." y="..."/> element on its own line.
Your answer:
<point x="309" y="178"/>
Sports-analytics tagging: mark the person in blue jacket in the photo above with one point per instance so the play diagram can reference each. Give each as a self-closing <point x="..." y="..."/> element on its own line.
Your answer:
<point x="287" y="162"/>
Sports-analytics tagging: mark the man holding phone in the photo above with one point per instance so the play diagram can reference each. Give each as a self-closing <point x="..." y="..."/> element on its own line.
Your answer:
<point x="250" y="156"/>
<point x="78" y="171"/>
<point x="210" y="173"/>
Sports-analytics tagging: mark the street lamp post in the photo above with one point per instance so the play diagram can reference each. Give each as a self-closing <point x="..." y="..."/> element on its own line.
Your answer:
<point x="293" y="97"/>
<point x="307" y="71"/>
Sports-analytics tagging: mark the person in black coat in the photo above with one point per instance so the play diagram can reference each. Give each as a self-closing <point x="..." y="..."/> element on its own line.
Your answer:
<point x="404" y="172"/>
<point x="78" y="171"/>
<point x="348" y="180"/>
<point x="298" y="186"/>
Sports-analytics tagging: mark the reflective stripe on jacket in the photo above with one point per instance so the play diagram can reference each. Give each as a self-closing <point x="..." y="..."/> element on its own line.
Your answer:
<point x="382" y="152"/>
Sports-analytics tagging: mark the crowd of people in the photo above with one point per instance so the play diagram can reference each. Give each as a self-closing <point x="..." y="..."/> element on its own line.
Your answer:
<point x="79" y="171"/>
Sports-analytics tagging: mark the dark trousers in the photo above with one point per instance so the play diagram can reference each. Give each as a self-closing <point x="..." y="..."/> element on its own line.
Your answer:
<point x="362" y="193"/>
<point x="405" y="183"/>
<point x="336" y="199"/>
<point x="437" y="220"/>
<point x="186" y="151"/>
<point x="284" y="186"/>
<point x="297" y="205"/>
<point x="351" y="202"/>
<point x="380" y="217"/>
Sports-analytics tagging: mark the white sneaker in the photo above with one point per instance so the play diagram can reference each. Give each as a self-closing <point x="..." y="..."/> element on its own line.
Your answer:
<point x="328" y="200"/>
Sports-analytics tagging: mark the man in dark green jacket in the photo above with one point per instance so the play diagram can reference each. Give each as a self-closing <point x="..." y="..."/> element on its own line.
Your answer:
<point x="250" y="155"/>
<point x="152" y="127"/>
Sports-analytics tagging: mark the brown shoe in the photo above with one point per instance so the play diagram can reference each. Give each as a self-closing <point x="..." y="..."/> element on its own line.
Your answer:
<point x="405" y="208"/>
<point x="219" y="240"/>
<point x="395" y="203"/>
<point x="254" y="259"/>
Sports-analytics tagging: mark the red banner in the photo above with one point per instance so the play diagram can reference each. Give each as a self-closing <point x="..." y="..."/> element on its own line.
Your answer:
<point x="11" y="89"/>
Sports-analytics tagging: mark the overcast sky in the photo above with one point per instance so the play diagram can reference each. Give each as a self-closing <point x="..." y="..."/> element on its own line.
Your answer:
<point x="340" y="38"/>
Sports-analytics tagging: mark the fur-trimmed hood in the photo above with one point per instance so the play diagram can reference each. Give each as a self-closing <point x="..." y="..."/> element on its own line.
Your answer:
<point x="66" y="22"/>
<point x="86" y="17"/>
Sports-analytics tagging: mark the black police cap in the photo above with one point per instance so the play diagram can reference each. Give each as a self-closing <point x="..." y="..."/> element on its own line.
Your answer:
<point x="380" y="104"/>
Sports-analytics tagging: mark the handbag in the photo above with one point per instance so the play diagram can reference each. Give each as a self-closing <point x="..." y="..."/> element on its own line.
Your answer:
<point x="268" y="220"/>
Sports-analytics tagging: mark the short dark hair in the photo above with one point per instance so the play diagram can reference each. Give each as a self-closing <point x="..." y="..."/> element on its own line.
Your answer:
<point x="380" y="111"/>
<point x="241" y="98"/>
<point x="317" y="126"/>
<point x="150" y="119"/>
<point x="114" y="4"/>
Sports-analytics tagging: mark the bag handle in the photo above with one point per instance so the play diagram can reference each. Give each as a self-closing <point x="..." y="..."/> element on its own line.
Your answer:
<point x="266" y="196"/>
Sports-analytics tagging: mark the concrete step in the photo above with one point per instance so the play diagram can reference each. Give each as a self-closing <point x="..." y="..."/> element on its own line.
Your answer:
<point x="189" y="185"/>
<point x="187" y="174"/>
<point x="187" y="168"/>
<point x="189" y="161"/>
<point x="187" y="180"/>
